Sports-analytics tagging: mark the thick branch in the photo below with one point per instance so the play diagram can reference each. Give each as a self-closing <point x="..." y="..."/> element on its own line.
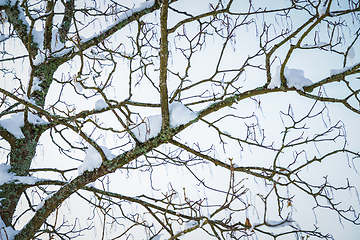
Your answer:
<point x="164" y="54"/>
<point x="87" y="177"/>
<point x="16" y="17"/>
<point x="66" y="22"/>
<point x="49" y="24"/>
<point x="133" y="16"/>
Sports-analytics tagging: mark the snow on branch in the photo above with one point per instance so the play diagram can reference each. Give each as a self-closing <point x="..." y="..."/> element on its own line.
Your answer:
<point x="16" y="16"/>
<point x="6" y="232"/>
<point x="15" y="122"/>
<point x="295" y="78"/>
<point x="6" y="176"/>
<point x="130" y="15"/>
<point x="151" y="126"/>
<point x="93" y="159"/>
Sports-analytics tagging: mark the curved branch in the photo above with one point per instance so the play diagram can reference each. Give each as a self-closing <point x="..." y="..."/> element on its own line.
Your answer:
<point x="16" y="17"/>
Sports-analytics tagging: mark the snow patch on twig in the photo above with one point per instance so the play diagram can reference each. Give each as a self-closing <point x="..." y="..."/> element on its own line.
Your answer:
<point x="295" y="78"/>
<point x="93" y="159"/>
<point x="6" y="232"/>
<point x="15" y="122"/>
<point x="151" y="126"/>
<point x="6" y="176"/>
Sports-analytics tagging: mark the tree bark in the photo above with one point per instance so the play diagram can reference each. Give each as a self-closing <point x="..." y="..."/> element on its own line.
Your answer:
<point x="164" y="54"/>
<point x="22" y="152"/>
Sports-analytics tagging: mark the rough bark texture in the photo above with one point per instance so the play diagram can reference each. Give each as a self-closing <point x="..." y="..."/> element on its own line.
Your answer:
<point x="164" y="55"/>
<point x="21" y="155"/>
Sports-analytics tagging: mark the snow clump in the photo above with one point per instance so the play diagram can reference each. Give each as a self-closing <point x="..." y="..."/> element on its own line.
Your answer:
<point x="151" y="126"/>
<point x="6" y="176"/>
<point x="295" y="78"/>
<point x="15" y="122"/>
<point x="180" y="114"/>
<point x="93" y="159"/>
<point x="100" y="104"/>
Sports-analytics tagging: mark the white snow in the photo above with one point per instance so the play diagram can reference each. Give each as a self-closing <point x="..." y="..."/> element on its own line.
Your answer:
<point x="295" y="78"/>
<point x="148" y="129"/>
<point x="56" y="44"/>
<point x="180" y="114"/>
<point x="39" y="58"/>
<point x="322" y="10"/>
<point x="136" y="8"/>
<point x="30" y="100"/>
<point x="35" y="85"/>
<point x="15" y="122"/>
<point x="38" y="37"/>
<point x="275" y="81"/>
<point x="100" y="104"/>
<point x="151" y="126"/>
<point x="62" y="52"/>
<point x="7" y="233"/>
<point x="341" y="70"/>
<point x="93" y="159"/>
<point x="6" y="176"/>
<point x="191" y="223"/>
<point x="36" y="120"/>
